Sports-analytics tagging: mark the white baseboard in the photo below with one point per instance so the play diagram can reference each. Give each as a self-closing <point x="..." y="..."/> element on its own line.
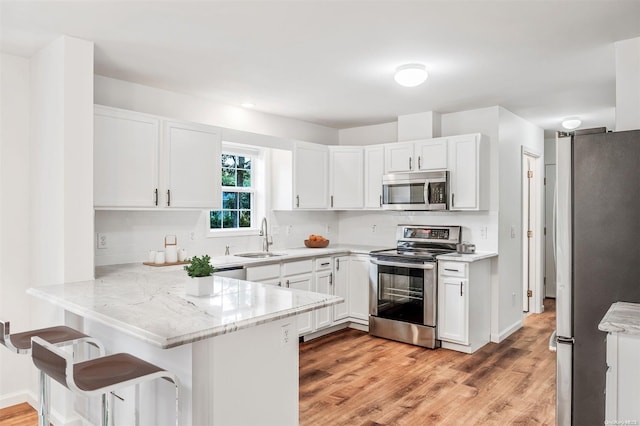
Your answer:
<point x="506" y="332"/>
<point x="16" y="398"/>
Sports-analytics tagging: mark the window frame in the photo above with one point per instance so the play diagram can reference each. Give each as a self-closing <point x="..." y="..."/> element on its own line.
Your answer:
<point x="257" y="200"/>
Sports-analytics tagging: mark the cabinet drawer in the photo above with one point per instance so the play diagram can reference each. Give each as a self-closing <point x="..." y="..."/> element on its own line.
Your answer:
<point x="323" y="263"/>
<point x="299" y="267"/>
<point x="453" y="269"/>
<point x="264" y="272"/>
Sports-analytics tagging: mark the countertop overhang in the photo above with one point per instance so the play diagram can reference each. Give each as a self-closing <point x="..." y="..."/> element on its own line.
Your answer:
<point x="151" y="304"/>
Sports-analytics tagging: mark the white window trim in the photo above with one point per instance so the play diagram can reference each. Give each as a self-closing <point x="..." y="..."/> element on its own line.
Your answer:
<point x="258" y="199"/>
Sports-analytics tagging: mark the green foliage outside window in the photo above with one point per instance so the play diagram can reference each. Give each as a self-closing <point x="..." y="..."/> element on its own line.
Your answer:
<point x="236" y="205"/>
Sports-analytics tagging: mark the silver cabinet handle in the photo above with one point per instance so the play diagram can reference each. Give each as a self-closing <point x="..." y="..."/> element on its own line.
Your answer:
<point x="331" y="278"/>
<point x="451" y="270"/>
<point x="297" y="201"/>
<point x="332" y="201"/>
<point x="287" y="283"/>
<point x="168" y="197"/>
<point x="380" y="200"/>
<point x="403" y="265"/>
<point x="409" y="163"/>
<point x="325" y="264"/>
<point x="156" y="197"/>
<point x="337" y="264"/>
<point x="453" y="200"/>
<point x="461" y="283"/>
<point x="419" y="165"/>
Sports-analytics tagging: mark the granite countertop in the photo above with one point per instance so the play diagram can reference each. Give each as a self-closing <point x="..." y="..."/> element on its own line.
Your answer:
<point x="622" y="317"/>
<point x="294" y="253"/>
<point x="150" y="303"/>
<point x="480" y="255"/>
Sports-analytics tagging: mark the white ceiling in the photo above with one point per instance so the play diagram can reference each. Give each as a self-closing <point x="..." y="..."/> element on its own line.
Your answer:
<point x="332" y="62"/>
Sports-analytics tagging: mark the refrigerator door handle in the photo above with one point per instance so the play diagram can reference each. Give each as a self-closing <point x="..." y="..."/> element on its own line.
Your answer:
<point x="553" y="343"/>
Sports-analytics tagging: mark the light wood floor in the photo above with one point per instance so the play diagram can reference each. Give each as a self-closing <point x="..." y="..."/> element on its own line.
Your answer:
<point x="351" y="378"/>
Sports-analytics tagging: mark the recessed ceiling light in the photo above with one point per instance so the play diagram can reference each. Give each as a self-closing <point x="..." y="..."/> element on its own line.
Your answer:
<point x="571" y="123"/>
<point x="247" y="105"/>
<point x="411" y="75"/>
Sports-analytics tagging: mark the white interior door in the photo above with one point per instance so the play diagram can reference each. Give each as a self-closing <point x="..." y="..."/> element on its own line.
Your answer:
<point x="549" y="261"/>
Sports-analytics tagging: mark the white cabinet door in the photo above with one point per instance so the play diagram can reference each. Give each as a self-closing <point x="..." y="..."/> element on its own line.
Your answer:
<point x="398" y="157"/>
<point x="469" y="172"/>
<point x="373" y="171"/>
<point x="346" y="176"/>
<point x="310" y="180"/>
<point x="341" y="288"/>
<point x="359" y="288"/>
<point x="453" y="310"/>
<point x="193" y="157"/>
<point x="431" y="154"/>
<point x="125" y="158"/>
<point x="301" y="282"/>
<point x="324" y="284"/>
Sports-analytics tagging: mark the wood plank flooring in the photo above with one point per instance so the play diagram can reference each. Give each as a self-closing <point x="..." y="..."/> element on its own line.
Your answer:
<point x="351" y="378"/>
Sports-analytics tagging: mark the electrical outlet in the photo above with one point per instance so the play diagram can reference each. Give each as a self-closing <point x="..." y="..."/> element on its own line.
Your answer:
<point x="102" y="242"/>
<point x="286" y="334"/>
<point x="513" y="231"/>
<point x="483" y="232"/>
<point x="192" y="235"/>
<point x="373" y="229"/>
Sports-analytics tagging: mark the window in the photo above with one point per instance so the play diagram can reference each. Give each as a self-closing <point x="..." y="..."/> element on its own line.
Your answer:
<point x="238" y="190"/>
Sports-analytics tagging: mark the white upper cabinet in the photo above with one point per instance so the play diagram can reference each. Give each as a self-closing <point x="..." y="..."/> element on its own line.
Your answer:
<point x="125" y="157"/>
<point x="134" y="167"/>
<point x="414" y="156"/>
<point x="398" y="157"/>
<point x="346" y="177"/>
<point x="193" y="161"/>
<point x="373" y="171"/>
<point x="310" y="176"/>
<point x="431" y="154"/>
<point x="469" y="172"/>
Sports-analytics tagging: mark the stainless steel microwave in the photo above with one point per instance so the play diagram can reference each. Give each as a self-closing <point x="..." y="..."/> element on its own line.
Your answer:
<point x="416" y="191"/>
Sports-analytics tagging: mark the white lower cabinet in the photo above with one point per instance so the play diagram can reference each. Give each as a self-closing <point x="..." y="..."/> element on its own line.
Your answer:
<point x="324" y="284"/>
<point x="464" y="304"/>
<point x="622" y="404"/>
<point x="345" y="276"/>
<point x="359" y="288"/>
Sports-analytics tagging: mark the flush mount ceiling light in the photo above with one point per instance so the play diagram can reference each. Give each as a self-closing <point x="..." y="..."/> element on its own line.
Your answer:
<point x="411" y="75"/>
<point x="247" y="105"/>
<point x="571" y="123"/>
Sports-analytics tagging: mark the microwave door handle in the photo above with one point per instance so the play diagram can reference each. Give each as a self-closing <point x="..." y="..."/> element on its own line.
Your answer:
<point x="427" y="193"/>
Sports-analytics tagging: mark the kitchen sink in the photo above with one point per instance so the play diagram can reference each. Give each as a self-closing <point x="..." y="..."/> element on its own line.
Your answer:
<point x="260" y="254"/>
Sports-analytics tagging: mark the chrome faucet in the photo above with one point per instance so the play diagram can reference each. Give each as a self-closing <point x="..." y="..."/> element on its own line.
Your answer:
<point x="266" y="240"/>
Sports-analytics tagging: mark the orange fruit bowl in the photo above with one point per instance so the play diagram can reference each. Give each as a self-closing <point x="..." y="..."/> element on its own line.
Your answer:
<point x="316" y="244"/>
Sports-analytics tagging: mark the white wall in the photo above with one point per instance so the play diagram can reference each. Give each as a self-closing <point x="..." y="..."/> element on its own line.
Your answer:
<point x="136" y="97"/>
<point x="628" y="84"/>
<point x="14" y="220"/>
<point x="515" y="133"/>
<point x="369" y="135"/>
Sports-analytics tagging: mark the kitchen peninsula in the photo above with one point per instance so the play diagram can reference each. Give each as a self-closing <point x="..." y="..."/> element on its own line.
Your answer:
<point x="235" y="352"/>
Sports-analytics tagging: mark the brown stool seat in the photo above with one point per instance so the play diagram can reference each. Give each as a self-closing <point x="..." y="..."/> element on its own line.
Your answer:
<point x="98" y="376"/>
<point x="20" y="343"/>
<point x="55" y="335"/>
<point x="111" y="370"/>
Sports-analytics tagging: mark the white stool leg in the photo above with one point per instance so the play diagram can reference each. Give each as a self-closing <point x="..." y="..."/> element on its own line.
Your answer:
<point x="43" y="415"/>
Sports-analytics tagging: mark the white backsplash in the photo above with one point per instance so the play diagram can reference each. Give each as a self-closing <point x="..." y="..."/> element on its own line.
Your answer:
<point x="130" y="235"/>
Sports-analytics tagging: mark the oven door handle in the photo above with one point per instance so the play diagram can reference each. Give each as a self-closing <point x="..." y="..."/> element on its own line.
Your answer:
<point x="403" y="265"/>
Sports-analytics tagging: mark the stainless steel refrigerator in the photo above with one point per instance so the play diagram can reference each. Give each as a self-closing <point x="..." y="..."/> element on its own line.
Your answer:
<point x="598" y="259"/>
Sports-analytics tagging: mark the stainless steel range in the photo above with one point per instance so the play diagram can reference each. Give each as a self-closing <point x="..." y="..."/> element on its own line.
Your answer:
<point x="403" y="285"/>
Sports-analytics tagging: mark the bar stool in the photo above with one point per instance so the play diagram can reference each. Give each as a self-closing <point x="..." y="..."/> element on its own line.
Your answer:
<point x="98" y="376"/>
<point x="20" y="343"/>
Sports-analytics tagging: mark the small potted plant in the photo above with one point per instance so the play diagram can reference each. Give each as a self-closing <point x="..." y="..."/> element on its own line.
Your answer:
<point x="200" y="271"/>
